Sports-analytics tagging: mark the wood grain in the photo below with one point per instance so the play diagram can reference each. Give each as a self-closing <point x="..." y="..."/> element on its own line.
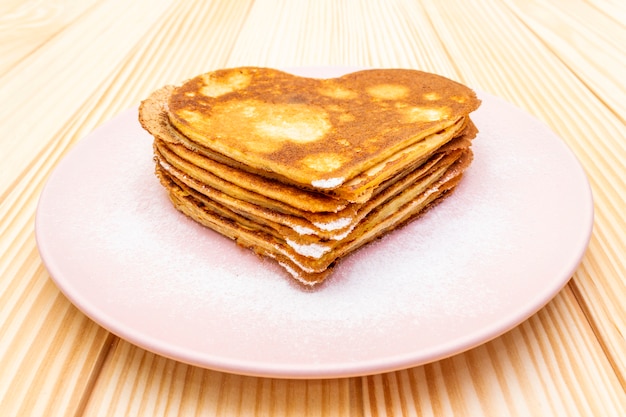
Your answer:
<point x="26" y="27"/>
<point x="581" y="37"/>
<point x="68" y="66"/>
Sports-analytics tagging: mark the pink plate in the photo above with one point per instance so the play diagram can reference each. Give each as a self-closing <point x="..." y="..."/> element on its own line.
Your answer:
<point x="474" y="267"/>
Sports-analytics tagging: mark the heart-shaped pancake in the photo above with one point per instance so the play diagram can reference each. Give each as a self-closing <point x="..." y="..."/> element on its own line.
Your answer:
<point x="316" y="133"/>
<point x="304" y="170"/>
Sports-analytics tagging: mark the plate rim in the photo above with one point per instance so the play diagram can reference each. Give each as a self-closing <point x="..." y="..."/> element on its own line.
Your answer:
<point x="315" y="370"/>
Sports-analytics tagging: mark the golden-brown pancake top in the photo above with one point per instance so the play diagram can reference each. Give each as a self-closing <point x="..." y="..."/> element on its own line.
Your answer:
<point x="315" y="132"/>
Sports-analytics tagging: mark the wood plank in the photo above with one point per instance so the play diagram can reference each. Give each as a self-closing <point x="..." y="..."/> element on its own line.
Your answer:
<point x="613" y="9"/>
<point x="339" y="33"/>
<point x="589" y="42"/>
<point x="151" y="385"/>
<point x="26" y="26"/>
<point x="44" y="89"/>
<point x="48" y="336"/>
<point x="44" y="337"/>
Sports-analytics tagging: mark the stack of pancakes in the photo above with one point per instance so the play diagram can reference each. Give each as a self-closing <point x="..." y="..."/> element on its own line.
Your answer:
<point x="306" y="170"/>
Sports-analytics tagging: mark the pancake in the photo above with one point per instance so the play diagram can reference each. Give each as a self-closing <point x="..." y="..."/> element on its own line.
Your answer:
<point x="315" y="133"/>
<point x="305" y="171"/>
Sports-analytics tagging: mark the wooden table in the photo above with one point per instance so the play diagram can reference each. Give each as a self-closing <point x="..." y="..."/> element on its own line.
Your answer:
<point x="68" y="66"/>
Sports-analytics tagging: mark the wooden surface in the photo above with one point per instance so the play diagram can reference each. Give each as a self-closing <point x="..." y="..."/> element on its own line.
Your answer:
<point x="68" y="66"/>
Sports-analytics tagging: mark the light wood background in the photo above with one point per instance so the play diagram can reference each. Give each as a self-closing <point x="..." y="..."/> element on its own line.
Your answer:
<point x="68" y="66"/>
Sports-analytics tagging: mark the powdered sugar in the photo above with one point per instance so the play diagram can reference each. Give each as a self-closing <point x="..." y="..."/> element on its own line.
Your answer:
<point x="301" y="230"/>
<point x="335" y="224"/>
<point x="311" y="250"/>
<point x="328" y="184"/>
